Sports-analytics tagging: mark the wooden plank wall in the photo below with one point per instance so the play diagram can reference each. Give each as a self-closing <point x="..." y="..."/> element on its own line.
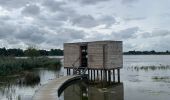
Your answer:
<point x="113" y="57"/>
<point x="71" y="54"/>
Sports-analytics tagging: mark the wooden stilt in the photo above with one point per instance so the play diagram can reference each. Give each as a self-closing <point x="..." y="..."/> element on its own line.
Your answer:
<point x="113" y="75"/>
<point x="67" y="71"/>
<point x="94" y="74"/>
<point x="118" y="72"/>
<point x="101" y="74"/>
<point x="105" y="75"/>
<point x="91" y="75"/>
<point x="109" y="76"/>
<point x="97" y="73"/>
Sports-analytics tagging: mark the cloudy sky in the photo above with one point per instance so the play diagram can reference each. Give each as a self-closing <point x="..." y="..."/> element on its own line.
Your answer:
<point x="140" y="24"/>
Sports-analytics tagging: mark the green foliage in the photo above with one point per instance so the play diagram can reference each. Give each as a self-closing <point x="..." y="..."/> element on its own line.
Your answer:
<point x="32" y="52"/>
<point x="12" y="65"/>
<point x="56" y="52"/>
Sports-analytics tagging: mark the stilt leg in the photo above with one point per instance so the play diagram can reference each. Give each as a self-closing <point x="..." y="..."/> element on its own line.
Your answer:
<point x="113" y="75"/>
<point x="94" y="74"/>
<point x="118" y="72"/>
<point x="91" y="75"/>
<point x="109" y="76"/>
<point x="101" y="75"/>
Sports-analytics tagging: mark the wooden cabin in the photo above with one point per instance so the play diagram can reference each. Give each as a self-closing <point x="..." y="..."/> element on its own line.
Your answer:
<point x="94" y="55"/>
<point x="97" y="55"/>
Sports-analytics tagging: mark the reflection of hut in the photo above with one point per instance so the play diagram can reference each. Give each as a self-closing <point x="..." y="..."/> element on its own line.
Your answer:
<point x="80" y="92"/>
<point x="98" y="56"/>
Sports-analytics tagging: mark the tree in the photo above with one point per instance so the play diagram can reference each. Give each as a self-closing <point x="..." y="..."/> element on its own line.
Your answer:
<point x="32" y="52"/>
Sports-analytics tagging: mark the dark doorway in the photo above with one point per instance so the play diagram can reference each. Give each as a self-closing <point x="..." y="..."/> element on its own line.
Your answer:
<point x="83" y="57"/>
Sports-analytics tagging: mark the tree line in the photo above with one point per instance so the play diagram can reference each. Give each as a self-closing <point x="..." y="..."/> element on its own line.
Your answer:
<point x="152" y="52"/>
<point x="30" y="52"/>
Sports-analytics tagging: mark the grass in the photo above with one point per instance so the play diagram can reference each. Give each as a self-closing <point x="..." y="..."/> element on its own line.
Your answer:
<point x="10" y="66"/>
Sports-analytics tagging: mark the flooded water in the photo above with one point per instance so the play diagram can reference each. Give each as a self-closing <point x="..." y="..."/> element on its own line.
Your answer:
<point x="142" y="78"/>
<point x="149" y="84"/>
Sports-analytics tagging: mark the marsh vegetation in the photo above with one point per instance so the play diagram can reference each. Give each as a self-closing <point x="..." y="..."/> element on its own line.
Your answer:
<point x="152" y="67"/>
<point x="10" y="66"/>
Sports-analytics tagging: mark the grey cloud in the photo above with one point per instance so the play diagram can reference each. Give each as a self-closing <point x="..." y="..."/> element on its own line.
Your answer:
<point x="53" y="5"/>
<point x="87" y="2"/>
<point x="49" y="21"/>
<point x="86" y="21"/>
<point x="30" y="34"/>
<point x="31" y="10"/>
<point x="154" y="33"/>
<point x="160" y="33"/>
<point x="14" y="3"/>
<point x="14" y="34"/>
<point x="107" y="20"/>
<point x="64" y="35"/>
<point x="12" y="40"/>
<point x="134" y="18"/>
<point x="128" y="1"/>
<point x="72" y="34"/>
<point x="6" y="30"/>
<point x="4" y="18"/>
<point x="126" y="33"/>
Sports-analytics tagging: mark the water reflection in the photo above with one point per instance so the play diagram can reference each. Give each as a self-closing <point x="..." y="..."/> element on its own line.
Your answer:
<point x="23" y="87"/>
<point x="82" y="91"/>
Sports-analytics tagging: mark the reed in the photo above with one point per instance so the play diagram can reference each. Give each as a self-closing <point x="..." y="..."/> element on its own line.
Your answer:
<point x="9" y="66"/>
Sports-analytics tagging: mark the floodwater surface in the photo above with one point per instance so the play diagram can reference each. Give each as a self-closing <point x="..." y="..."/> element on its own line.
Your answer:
<point x="143" y="77"/>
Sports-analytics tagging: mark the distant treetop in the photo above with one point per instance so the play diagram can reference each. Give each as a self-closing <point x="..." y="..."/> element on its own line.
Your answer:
<point x="30" y="51"/>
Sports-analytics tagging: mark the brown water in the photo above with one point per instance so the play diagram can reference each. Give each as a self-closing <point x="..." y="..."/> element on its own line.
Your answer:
<point x="148" y="83"/>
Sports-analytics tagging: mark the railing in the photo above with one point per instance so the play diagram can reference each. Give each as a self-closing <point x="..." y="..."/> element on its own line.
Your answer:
<point x="74" y="67"/>
<point x="77" y="70"/>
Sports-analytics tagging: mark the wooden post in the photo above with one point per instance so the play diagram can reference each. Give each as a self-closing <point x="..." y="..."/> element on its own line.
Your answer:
<point x="91" y="75"/>
<point x="67" y="71"/>
<point x="94" y="74"/>
<point x="109" y="76"/>
<point x="118" y="72"/>
<point x="88" y="73"/>
<point x="97" y="73"/>
<point x="113" y="75"/>
<point x="105" y="75"/>
<point x="101" y="74"/>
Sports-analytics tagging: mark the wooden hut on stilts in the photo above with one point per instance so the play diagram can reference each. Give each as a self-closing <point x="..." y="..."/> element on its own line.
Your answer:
<point x="101" y="60"/>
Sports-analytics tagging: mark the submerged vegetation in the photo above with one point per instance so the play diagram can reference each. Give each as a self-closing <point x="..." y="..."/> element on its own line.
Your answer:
<point x="161" y="79"/>
<point x="10" y="66"/>
<point x="147" y="68"/>
<point x="152" y="52"/>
